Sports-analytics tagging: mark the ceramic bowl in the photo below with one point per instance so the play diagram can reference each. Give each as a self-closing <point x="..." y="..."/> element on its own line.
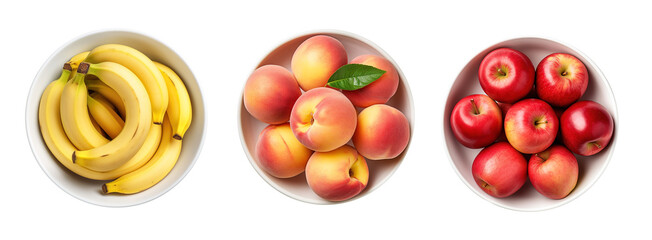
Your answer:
<point x="90" y="190"/>
<point x="297" y="187"/>
<point x="527" y="198"/>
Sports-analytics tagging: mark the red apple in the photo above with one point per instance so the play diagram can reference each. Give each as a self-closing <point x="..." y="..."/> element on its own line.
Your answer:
<point x="531" y="125"/>
<point x="499" y="170"/>
<point x="586" y="127"/>
<point x="553" y="172"/>
<point x="476" y="121"/>
<point x="506" y="75"/>
<point x="561" y="79"/>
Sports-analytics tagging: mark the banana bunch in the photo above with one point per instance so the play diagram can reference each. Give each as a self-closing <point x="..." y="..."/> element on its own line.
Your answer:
<point x="115" y="115"/>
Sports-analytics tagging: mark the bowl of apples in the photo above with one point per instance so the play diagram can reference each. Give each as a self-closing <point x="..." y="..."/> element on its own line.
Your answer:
<point x="326" y="117"/>
<point x="530" y="124"/>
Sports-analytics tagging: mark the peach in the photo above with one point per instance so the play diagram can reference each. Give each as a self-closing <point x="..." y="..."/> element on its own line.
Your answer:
<point x="323" y="119"/>
<point x="270" y="93"/>
<point x="316" y="59"/>
<point x="279" y="153"/>
<point x="382" y="132"/>
<point x="379" y="91"/>
<point x="337" y="175"/>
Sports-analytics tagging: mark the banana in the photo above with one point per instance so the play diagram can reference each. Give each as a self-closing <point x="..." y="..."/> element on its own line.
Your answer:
<point x="143" y="155"/>
<point x="54" y="136"/>
<point x="140" y="65"/>
<point x="104" y="113"/>
<point x="60" y="146"/>
<point x="75" y="118"/>
<point x="75" y="61"/>
<point x="154" y="171"/>
<point x="138" y="118"/>
<point x="179" y="107"/>
<point x="98" y="86"/>
<point x="97" y="127"/>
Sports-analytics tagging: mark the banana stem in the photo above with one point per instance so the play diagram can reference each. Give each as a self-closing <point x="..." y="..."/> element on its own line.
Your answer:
<point x="65" y="73"/>
<point x="83" y="68"/>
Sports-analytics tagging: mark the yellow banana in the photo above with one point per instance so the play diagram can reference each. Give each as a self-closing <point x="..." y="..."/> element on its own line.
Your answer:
<point x="97" y="127"/>
<point x="179" y="106"/>
<point x="140" y="65"/>
<point x="154" y="171"/>
<point x="104" y="113"/>
<point x="98" y="86"/>
<point x="138" y="118"/>
<point x="75" y="118"/>
<point x="75" y="61"/>
<point x="144" y="154"/>
<point x="61" y="147"/>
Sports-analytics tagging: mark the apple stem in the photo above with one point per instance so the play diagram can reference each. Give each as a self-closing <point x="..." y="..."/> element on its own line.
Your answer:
<point x="476" y="111"/>
<point x="501" y="72"/>
<point x="564" y="73"/>
<point x="597" y="144"/>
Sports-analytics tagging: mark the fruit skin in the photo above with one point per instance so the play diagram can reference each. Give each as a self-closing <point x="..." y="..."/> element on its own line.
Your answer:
<point x="279" y="153"/>
<point x="499" y="170"/>
<point x="98" y="86"/>
<point x="531" y="126"/>
<point x="506" y="75"/>
<point x="77" y="59"/>
<point x="586" y="128"/>
<point x="137" y="122"/>
<point x="105" y="114"/>
<point x="154" y="171"/>
<point x="60" y="146"/>
<point x="179" y="105"/>
<point x="270" y="94"/>
<point x="316" y="59"/>
<point x="75" y="117"/>
<point x="142" y="67"/>
<point x="382" y="132"/>
<point x="553" y="172"/>
<point x="143" y="155"/>
<point x="476" y="121"/>
<point x="561" y="79"/>
<point x="379" y="91"/>
<point x="337" y="175"/>
<point x="323" y="119"/>
<point x="97" y="127"/>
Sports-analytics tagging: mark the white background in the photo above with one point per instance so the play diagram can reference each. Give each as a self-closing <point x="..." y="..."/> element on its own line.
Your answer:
<point x="223" y="197"/>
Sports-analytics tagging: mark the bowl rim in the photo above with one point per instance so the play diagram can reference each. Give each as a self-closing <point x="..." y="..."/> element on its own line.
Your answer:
<point x="410" y="104"/>
<point x="30" y="100"/>
<point x="561" y="202"/>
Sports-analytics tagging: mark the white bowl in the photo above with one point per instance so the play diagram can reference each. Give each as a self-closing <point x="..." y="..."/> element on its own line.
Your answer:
<point x="90" y="190"/>
<point x="297" y="187"/>
<point x="527" y="198"/>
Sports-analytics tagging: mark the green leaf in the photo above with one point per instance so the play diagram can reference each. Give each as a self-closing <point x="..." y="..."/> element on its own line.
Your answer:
<point x="354" y="76"/>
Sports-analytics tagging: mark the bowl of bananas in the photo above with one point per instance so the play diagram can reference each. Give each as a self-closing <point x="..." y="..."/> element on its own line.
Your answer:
<point x="115" y="118"/>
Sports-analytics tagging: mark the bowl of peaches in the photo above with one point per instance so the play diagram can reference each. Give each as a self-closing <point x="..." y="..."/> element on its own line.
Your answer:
<point x="530" y="124"/>
<point x="326" y="117"/>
